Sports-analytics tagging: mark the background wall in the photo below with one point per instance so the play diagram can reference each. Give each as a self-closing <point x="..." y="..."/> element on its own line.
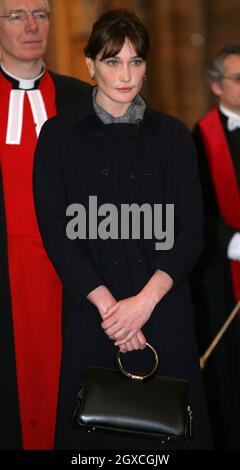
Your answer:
<point x="184" y="35"/>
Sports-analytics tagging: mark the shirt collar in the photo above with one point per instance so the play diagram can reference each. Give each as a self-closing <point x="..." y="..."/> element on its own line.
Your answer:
<point x="87" y="112"/>
<point x="228" y="113"/>
<point x="22" y="83"/>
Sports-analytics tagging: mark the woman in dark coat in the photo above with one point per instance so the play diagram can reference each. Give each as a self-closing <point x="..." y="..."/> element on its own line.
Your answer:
<point x="120" y="292"/>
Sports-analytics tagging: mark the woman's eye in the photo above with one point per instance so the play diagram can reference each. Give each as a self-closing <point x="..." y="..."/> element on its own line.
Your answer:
<point x="137" y="61"/>
<point x="112" y="62"/>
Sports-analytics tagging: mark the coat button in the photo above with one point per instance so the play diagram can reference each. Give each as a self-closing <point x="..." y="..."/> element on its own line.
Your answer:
<point x="112" y="264"/>
<point x="133" y="134"/>
<point x="105" y="172"/>
<point x="100" y="134"/>
<point x="140" y="262"/>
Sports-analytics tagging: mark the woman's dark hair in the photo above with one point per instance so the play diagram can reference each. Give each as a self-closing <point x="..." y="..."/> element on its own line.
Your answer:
<point x="110" y="32"/>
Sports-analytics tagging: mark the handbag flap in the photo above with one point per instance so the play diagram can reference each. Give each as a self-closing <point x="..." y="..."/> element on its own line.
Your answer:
<point x="110" y="400"/>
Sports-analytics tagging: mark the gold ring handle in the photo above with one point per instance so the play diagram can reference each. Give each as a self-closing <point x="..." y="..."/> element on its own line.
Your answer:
<point x="138" y="376"/>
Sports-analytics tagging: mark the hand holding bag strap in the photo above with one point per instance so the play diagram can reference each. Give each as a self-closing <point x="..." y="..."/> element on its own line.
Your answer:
<point x="138" y="376"/>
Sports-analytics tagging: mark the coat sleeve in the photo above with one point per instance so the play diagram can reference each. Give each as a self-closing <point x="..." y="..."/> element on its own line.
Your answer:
<point x="77" y="272"/>
<point x="188" y="237"/>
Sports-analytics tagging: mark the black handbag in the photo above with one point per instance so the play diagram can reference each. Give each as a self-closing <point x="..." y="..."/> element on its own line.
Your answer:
<point x="139" y="405"/>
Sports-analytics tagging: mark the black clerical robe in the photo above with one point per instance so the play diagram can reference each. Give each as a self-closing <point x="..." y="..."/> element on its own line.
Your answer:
<point x="215" y="290"/>
<point x="30" y="291"/>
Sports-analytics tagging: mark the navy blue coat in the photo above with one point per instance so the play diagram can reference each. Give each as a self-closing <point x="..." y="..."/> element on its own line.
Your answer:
<point x="78" y="156"/>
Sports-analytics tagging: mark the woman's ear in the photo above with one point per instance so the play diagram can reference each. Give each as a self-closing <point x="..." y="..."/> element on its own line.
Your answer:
<point x="90" y="66"/>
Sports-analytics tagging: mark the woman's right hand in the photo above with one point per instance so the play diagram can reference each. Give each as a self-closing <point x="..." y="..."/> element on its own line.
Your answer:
<point x="102" y="298"/>
<point x="138" y="341"/>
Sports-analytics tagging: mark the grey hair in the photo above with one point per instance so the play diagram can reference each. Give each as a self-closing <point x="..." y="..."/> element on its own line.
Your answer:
<point x="215" y="70"/>
<point x="46" y="4"/>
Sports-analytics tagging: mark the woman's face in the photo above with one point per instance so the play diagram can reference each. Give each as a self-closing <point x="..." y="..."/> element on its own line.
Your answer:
<point x="119" y="79"/>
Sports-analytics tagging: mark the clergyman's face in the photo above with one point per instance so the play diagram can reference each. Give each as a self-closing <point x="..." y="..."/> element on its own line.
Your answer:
<point x="228" y="89"/>
<point x="27" y="40"/>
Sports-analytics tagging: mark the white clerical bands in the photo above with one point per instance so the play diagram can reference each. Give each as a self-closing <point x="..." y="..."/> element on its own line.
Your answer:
<point x="233" y="249"/>
<point x="233" y="123"/>
<point x="15" y="114"/>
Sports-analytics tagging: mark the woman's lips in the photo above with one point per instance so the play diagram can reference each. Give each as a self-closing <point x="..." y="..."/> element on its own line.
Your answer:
<point x="124" y="90"/>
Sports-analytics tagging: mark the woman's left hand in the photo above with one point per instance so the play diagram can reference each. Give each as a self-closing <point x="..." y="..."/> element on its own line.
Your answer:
<point x="124" y="319"/>
<point x="137" y="342"/>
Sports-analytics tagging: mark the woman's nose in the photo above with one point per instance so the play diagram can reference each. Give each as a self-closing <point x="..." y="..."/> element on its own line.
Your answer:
<point x="125" y="75"/>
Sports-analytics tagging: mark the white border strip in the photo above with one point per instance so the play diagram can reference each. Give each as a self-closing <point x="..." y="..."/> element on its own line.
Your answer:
<point x="15" y="117"/>
<point x="38" y="108"/>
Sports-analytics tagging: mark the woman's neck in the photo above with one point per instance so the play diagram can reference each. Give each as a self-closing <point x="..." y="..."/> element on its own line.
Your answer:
<point x="110" y="106"/>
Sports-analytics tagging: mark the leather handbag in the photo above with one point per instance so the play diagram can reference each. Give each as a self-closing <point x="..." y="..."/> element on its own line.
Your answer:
<point x="138" y="405"/>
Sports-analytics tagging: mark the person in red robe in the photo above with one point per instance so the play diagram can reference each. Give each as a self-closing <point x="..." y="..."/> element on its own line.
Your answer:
<point x="30" y="290"/>
<point x="216" y="281"/>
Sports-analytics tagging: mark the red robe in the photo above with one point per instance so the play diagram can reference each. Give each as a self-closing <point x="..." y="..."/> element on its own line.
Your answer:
<point x="224" y="179"/>
<point x="35" y="288"/>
